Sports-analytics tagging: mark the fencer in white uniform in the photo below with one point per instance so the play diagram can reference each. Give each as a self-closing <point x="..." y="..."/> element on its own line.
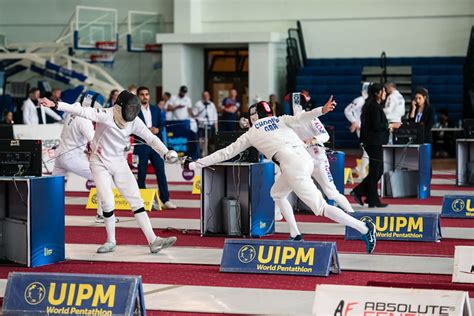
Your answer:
<point x="315" y="135"/>
<point x="77" y="133"/>
<point x="352" y="112"/>
<point x="276" y="139"/>
<point x="109" y="166"/>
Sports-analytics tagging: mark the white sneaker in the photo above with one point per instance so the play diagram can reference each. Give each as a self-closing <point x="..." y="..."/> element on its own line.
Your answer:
<point x="100" y="219"/>
<point x="107" y="247"/>
<point x="155" y="206"/>
<point x="162" y="243"/>
<point x="169" y="206"/>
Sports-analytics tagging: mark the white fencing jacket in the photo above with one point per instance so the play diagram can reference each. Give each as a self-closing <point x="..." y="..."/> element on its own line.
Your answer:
<point x="109" y="142"/>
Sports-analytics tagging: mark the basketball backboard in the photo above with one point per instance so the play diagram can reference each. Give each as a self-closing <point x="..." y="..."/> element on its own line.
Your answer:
<point x="95" y="28"/>
<point x="142" y="30"/>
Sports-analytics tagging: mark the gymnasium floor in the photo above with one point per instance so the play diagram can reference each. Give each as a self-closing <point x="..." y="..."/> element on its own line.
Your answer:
<point x="185" y="278"/>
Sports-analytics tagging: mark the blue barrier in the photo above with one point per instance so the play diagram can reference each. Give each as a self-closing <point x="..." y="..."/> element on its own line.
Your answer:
<point x="73" y="294"/>
<point x="280" y="257"/>
<point x="401" y="226"/>
<point x="459" y="206"/>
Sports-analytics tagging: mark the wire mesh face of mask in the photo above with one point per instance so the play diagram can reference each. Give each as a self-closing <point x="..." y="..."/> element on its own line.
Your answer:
<point x="129" y="104"/>
<point x="300" y="103"/>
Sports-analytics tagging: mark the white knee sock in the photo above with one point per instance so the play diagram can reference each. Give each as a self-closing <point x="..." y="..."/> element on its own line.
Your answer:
<point x="287" y="211"/>
<point x="343" y="203"/>
<point x="144" y="222"/>
<point x="99" y="208"/>
<point x="110" y="228"/>
<point x="338" y="215"/>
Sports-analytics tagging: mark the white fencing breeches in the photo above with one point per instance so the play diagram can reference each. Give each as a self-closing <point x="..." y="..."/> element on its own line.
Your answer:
<point x="77" y="164"/>
<point x="118" y="173"/>
<point x="322" y="175"/>
<point x="296" y="168"/>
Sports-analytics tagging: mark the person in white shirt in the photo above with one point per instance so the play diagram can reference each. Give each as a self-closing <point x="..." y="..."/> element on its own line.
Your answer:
<point x="315" y="135"/>
<point x="77" y="133"/>
<point x="276" y="139"/>
<point x="180" y="105"/>
<point x="352" y="113"/>
<point x="109" y="166"/>
<point x="394" y="105"/>
<point x="34" y="114"/>
<point x="205" y="112"/>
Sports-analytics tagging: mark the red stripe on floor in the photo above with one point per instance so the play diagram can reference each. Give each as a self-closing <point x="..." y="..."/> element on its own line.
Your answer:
<point x="134" y="236"/>
<point x="209" y="275"/>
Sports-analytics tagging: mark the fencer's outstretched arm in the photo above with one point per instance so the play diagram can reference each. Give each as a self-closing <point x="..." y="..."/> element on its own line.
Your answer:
<point x="96" y="115"/>
<point x="139" y="128"/>
<point x="241" y="144"/>
<point x="306" y="117"/>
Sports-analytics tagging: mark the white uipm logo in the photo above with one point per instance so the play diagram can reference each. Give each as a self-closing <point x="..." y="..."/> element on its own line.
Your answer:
<point x="47" y="252"/>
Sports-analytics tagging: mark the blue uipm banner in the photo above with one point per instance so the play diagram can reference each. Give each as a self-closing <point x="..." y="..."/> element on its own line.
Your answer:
<point x="459" y="206"/>
<point x="401" y="226"/>
<point x="280" y="257"/>
<point x="73" y="294"/>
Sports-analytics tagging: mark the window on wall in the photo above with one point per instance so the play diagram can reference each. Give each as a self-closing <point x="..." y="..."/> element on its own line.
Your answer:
<point x="227" y="68"/>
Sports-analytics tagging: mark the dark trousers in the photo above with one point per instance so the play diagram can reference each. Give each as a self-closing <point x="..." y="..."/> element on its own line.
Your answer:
<point x="159" y="166"/>
<point x="368" y="186"/>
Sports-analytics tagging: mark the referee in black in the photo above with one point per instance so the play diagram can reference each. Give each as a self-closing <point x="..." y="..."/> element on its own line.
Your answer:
<point x="374" y="133"/>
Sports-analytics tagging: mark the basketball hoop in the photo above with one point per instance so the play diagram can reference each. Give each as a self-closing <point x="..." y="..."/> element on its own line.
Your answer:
<point x="104" y="58"/>
<point x="106" y="46"/>
<point x="153" y="48"/>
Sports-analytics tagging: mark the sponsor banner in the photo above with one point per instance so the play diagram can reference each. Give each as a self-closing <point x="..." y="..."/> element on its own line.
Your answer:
<point x="461" y="206"/>
<point x="121" y="204"/>
<point x="342" y="300"/>
<point x="73" y="294"/>
<point x="401" y="226"/>
<point x="463" y="264"/>
<point x="196" y="185"/>
<point x="50" y="135"/>
<point x="280" y="257"/>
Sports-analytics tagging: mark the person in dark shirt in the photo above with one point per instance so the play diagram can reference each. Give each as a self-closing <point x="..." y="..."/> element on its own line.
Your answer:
<point x="422" y="112"/>
<point x="374" y="133"/>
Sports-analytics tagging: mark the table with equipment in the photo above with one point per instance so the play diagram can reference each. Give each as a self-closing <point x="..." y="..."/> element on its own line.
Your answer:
<point x="32" y="219"/>
<point x="465" y="162"/>
<point x="406" y="170"/>
<point x="235" y="199"/>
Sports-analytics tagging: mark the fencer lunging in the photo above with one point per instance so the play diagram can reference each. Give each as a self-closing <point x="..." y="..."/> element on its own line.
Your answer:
<point x="76" y="134"/>
<point x="315" y="135"/>
<point x="276" y="139"/>
<point x="109" y="166"/>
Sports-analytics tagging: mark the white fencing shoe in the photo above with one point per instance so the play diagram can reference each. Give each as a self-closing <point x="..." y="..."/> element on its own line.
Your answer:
<point x="161" y="243"/>
<point x="107" y="247"/>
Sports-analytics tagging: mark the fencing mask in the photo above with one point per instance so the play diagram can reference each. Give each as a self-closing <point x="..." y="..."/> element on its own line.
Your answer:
<point x="300" y="103"/>
<point x="91" y="99"/>
<point x="126" y="108"/>
<point x="259" y="110"/>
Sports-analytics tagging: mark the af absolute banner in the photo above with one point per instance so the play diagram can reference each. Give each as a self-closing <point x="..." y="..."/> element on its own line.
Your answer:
<point x="401" y="226"/>
<point x="73" y="294"/>
<point x="342" y="300"/>
<point x="458" y="206"/>
<point x="280" y="257"/>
